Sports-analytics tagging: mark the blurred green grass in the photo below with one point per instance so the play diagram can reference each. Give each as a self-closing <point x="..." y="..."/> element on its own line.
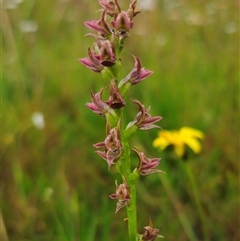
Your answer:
<point x="53" y="185"/>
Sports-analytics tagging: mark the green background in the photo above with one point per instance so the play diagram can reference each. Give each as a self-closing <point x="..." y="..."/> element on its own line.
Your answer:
<point x="53" y="186"/>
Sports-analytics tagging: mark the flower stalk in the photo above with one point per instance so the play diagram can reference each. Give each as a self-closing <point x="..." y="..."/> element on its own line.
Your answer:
<point x="104" y="58"/>
<point x="180" y="140"/>
<point x="132" y="215"/>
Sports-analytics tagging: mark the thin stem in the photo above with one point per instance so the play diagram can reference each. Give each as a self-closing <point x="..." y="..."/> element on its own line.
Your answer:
<point x="131" y="180"/>
<point x="132" y="215"/>
<point x="197" y="200"/>
<point x="179" y="209"/>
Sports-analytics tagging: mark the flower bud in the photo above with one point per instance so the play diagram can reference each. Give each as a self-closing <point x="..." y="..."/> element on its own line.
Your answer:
<point x="108" y="5"/>
<point x="150" y="233"/>
<point x="112" y="146"/>
<point x="143" y="120"/>
<point x="122" y="24"/>
<point x="146" y="165"/>
<point x="100" y="26"/>
<point x="98" y="106"/>
<point x="132" y="12"/>
<point x="137" y="74"/>
<point x="107" y="54"/>
<point x="115" y="99"/>
<point x="92" y="61"/>
<point x="122" y="194"/>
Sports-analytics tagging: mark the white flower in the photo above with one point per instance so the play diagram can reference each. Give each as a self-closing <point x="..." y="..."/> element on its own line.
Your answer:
<point x="148" y="5"/>
<point x="47" y="193"/>
<point x="194" y="18"/>
<point x="161" y="39"/>
<point x="11" y="4"/>
<point x="38" y="120"/>
<point x="231" y="27"/>
<point x="28" y="26"/>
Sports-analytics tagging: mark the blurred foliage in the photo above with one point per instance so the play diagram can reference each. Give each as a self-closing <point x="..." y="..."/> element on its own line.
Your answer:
<point x="53" y="186"/>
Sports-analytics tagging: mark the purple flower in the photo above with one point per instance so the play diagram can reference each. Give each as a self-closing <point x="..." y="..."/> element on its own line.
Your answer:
<point x="143" y="119"/>
<point x="109" y="6"/>
<point x="112" y="146"/>
<point x="132" y="12"/>
<point x="122" y="194"/>
<point x="146" y="165"/>
<point x="104" y="56"/>
<point x="107" y="54"/>
<point x="150" y="233"/>
<point x="100" y="26"/>
<point x="115" y="99"/>
<point x="92" y="61"/>
<point x="137" y="74"/>
<point x="122" y="24"/>
<point x="98" y="106"/>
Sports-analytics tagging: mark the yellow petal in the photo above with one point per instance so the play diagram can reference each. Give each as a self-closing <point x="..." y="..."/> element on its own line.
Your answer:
<point x="188" y="131"/>
<point x="194" y="144"/>
<point x="179" y="149"/>
<point x="160" y="143"/>
<point x="169" y="136"/>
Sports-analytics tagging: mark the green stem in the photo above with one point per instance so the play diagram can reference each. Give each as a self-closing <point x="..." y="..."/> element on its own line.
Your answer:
<point x="197" y="200"/>
<point x="124" y="168"/>
<point x="179" y="209"/>
<point x="131" y="179"/>
<point x="132" y="215"/>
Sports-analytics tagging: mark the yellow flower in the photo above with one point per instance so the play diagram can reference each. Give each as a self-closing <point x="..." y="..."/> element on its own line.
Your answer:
<point x="179" y="140"/>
